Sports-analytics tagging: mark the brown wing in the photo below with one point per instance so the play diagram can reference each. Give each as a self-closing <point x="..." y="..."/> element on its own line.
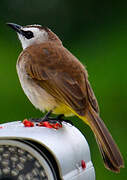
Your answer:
<point x="57" y="71"/>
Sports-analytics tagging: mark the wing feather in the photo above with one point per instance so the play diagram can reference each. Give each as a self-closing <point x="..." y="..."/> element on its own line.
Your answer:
<point x="62" y="76"/>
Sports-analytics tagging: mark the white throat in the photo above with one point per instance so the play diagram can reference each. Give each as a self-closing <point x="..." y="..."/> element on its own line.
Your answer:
<point x="40" y="36"/>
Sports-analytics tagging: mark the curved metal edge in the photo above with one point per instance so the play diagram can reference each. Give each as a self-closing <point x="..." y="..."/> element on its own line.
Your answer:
<point x="67" y="145"/>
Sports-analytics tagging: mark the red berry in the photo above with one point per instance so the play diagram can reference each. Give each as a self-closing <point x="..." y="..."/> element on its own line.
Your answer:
<point x="50" y="125"/>
<point x="83" y="164"/>
<point x="57" y="125"/>
<point x="28" y="123"/>
<point x="45" y="124"/>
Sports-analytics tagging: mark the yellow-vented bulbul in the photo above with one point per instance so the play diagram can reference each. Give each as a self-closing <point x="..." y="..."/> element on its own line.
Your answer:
<point x="54" y="79"/>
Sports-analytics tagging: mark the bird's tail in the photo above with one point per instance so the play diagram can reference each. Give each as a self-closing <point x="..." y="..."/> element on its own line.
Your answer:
<point x="109" y="150"/>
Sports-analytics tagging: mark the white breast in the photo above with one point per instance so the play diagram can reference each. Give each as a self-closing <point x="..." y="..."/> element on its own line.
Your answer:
<point x="37" y="95"/>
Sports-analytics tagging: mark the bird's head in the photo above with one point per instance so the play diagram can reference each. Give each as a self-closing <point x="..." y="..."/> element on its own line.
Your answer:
<point x="33" y="34"/>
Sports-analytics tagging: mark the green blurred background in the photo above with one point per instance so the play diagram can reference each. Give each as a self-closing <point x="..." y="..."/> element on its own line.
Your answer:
<point x="95" y="32"/>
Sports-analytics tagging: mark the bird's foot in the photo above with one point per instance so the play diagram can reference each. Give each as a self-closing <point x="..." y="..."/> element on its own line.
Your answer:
<point x="50" y="122"/>
<point x="38" y="120"/>
<point x="58" y="118"/>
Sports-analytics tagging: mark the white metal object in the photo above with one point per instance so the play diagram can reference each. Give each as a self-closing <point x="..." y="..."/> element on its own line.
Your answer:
<point x="67" y="146"/>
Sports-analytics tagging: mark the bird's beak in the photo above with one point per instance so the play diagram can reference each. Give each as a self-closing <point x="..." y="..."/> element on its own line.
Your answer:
<point x="16" y="27"/>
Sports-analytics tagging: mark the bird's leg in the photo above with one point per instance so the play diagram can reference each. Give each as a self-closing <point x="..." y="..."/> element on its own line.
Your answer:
<point x="51" y="121"/>
<point x="45" y="118"/>
<point x="59" y="118"/>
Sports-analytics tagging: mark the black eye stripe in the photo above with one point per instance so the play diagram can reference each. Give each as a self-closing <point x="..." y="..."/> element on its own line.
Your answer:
<point x="28" y="34"/>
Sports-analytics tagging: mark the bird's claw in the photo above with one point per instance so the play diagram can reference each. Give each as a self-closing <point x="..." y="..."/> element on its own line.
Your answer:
<point x="50" y="122"/>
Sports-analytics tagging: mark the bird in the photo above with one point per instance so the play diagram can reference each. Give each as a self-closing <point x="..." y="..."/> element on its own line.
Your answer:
<point x="54" y="80"/>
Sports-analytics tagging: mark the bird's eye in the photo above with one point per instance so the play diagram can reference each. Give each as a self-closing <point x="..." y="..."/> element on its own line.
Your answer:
<point x="28" y="34"/>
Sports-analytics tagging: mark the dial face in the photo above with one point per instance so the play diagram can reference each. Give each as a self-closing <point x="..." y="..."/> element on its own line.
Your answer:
<point x="16" y="163"/>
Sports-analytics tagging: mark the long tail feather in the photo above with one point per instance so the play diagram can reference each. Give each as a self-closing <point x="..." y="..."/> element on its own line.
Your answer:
<point x="109" y="150"/>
